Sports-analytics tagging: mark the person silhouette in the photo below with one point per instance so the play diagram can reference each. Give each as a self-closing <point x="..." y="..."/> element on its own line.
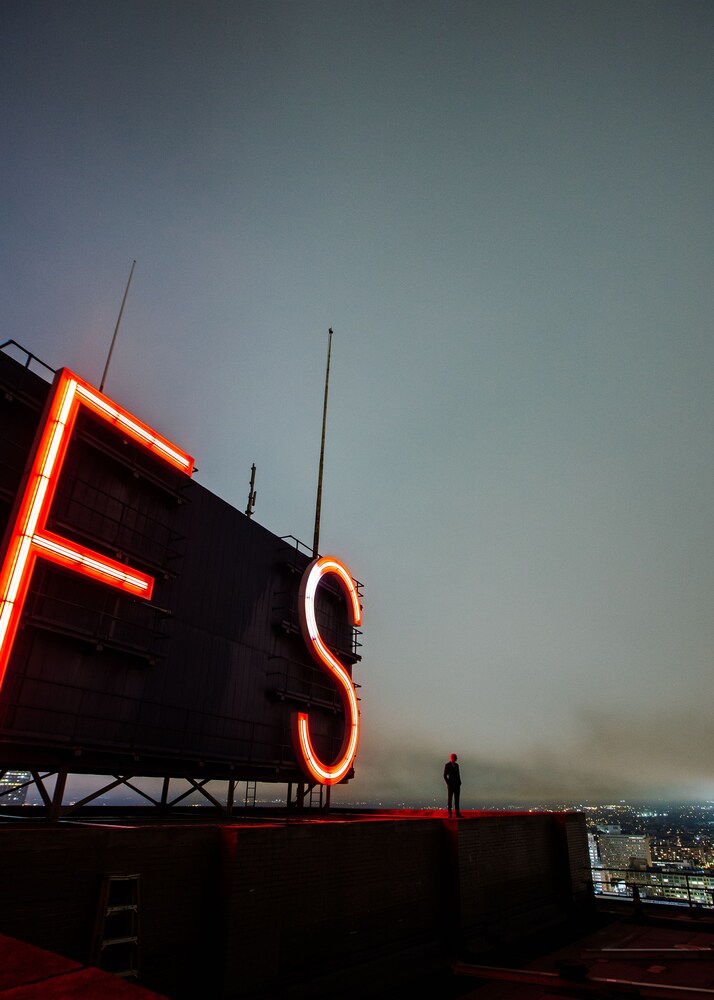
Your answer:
<point x="452" y="777"/>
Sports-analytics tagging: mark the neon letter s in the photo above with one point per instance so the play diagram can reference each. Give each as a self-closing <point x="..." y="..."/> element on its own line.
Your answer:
<point x="327" y="774"/>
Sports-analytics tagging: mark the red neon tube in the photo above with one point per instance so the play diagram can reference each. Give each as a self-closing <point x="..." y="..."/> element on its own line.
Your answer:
<point x="317" y="770"/>
<point x="30" y="539"/>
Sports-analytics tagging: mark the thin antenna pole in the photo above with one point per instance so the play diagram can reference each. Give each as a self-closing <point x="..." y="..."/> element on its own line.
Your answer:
<point x="318" y="503"/>
<point x="251" y="493"/>
<point x="116" y="328"/>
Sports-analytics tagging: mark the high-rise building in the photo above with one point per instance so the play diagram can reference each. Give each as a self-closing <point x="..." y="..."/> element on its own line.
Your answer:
<point x="11" y="791"/>
<point x="624" y="850"/>
<point x="619" y="853"/>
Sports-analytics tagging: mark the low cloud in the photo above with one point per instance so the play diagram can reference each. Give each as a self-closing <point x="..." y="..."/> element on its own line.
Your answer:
<point x="666" y="753"/>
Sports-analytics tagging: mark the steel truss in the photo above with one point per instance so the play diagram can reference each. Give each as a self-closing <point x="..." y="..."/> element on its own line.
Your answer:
<point x="307" y="795"/>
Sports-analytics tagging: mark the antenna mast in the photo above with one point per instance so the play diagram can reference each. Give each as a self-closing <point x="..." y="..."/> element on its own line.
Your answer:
<point x="116" y="328"/>
<point x="318" y="503"/>
<point x="251" y="494"/>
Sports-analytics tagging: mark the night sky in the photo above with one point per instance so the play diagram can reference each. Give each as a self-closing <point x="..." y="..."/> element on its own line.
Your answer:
<point x="504" y="209"/>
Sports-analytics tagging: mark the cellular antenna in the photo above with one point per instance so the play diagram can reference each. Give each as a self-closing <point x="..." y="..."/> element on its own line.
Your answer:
<point x="116" y="328"/>
<point x="318" y="502"/>
<point x="251" y="494"/>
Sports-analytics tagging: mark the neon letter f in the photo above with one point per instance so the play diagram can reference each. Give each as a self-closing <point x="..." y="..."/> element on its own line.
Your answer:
<point x="29" y="536"/>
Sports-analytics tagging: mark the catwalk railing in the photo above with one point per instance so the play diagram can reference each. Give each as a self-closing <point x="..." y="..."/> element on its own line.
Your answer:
<point x="679" y="887"/>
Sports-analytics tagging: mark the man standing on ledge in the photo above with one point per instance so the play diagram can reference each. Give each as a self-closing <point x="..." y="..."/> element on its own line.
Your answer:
<point x="453" y="782"/>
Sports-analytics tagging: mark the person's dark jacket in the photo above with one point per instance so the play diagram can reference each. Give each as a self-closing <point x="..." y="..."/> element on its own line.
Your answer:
<point x="451" y="775"/>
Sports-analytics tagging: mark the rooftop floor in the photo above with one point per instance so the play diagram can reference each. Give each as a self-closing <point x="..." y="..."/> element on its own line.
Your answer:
<point x="656" y="951"/>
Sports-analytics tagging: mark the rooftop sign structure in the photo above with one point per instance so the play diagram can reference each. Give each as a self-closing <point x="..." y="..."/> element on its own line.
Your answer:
<point x="225" y="651"/>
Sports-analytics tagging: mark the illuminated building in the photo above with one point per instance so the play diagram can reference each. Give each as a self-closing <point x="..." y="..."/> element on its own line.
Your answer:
<point x="623" y="850"/>
<point x="595" y="865"/>
<point x="619" y="854"/>
<point x="12" y="792"/>
<point x="673" y="883"/>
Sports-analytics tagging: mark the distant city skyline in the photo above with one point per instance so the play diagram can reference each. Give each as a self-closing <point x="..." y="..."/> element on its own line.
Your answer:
<point x="269" y="794"/>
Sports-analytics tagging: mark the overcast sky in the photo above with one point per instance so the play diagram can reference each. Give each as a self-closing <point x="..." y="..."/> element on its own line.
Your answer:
<point x="504" y="210"/>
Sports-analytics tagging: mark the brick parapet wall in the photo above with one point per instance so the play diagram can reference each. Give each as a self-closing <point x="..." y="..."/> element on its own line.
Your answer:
<point x="297" y="909"/>
<point x="315" y="899"/>
<point x="51" y="881"/>
<point x="518" y="873"/>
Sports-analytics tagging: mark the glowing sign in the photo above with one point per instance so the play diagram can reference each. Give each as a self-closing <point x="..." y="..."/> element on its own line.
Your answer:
<point x="30" y="538"/>
<point x="327" y="774"/>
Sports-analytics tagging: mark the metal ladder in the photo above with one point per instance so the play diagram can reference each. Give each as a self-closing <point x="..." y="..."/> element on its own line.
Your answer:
<point x="251" y="791"/>
<point x="314" y="796"/>
<point x="115" y="947"/>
